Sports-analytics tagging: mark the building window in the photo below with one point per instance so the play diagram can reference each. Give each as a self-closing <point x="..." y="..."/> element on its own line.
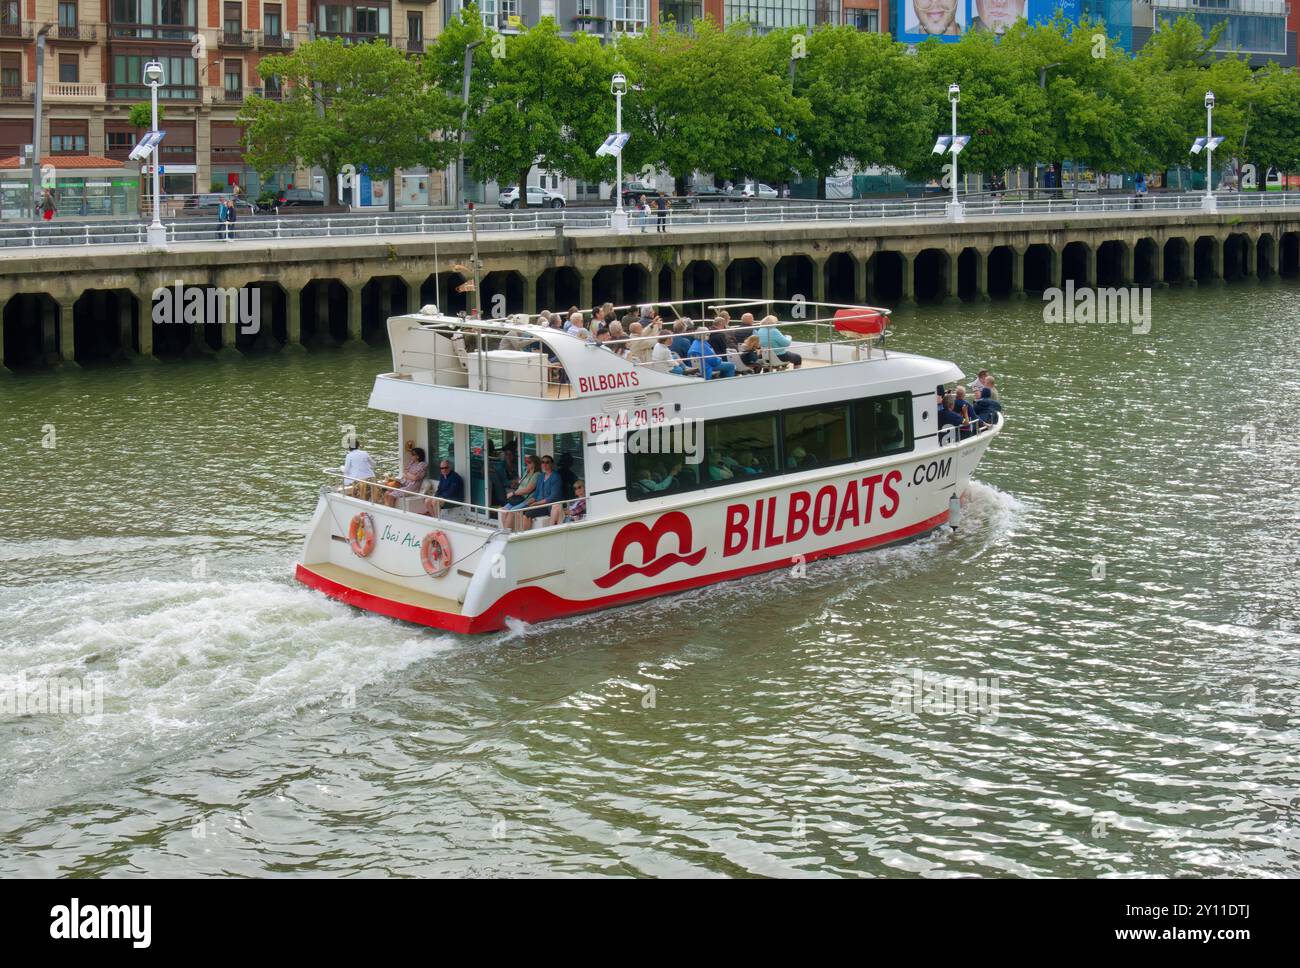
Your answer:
<point x="271" y="20"/>
<point x="681" y="13"/>
<point x="509" y="8"/>
<point x="67" y="13"/>
<point x="629" y="16"/>
<point x="415" y="27"/>
<point x="11" y="74"/>
<point x="367" y="20"/>
<point x="146" y="19"/>
<point x="234" y="76"/>
<point x="69" y="68"/>
<point x="233" y="20"/>
<point x="180" y="76"/>
<point x="10" y="18"/>
<point x="339" y="19"/>
<point x="120" y="140"/>
<point x="67" y="144"/>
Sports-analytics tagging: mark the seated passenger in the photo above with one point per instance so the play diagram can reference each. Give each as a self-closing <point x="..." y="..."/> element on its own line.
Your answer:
<point x="654" y="479"/>
<point x="800" y="459"/>
<point x="663" y="358"/>
<point x="987" y="409"/>
<point x="722" y="342"/>
<point x="751" y="354"/>
<point x="773" y="339"/>
<point x="451" y="487"/>
<point x="547" y="499"/>
<point x="718" y="470"/>
<point x="681" y="341"/>
<point x="576" y="510"/>
<point x="519" y="496"/>
<point x="574" y="324"/>
<point x="888" y="433"/>
<point x="413" y="475"/>
<point x="709" y="362"/>
<point x="746" y="327"/>
<point x="967" y="411"/>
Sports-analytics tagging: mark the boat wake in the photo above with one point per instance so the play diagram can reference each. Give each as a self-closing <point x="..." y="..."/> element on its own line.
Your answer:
<point x="179" y="663"/>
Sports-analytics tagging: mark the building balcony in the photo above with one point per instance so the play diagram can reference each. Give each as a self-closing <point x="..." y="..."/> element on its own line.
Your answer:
<point x="73" y="91"/>
<point x="238" y="39"/>
<point x="276" y="42"/>
<point x="168" y="92"/>
<point x="75" y="33"/>
<point x="18" y="31"/>
<point x="354" y="38"/>
<point x="412" y="46"/>
<point x="15" y="92"/>
<point x="179" y="33"/>
<point x="234" y="95"/>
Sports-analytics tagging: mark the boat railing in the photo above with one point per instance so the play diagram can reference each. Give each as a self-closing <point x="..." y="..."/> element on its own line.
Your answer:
<point x="476" y="515"/>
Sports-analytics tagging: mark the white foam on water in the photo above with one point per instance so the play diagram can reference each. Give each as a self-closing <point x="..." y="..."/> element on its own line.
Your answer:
<point x="181" y="662"/>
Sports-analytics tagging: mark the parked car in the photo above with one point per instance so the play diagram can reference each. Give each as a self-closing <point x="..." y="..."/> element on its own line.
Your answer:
<point x="750" y="190"/>
<point x="537" y="197"/>
<point x="207" y="204"/>
<point x="635" y="189"/>
<point x="300" y="198"/>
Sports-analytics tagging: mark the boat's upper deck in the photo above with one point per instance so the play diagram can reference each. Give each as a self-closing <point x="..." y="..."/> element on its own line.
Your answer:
<point x="818" y="350"/>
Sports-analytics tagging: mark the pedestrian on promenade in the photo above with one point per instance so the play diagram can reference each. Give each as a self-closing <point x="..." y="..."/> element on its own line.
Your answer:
<point x="230" y="216"/>
<point x="661" y="212"/>
<point x="48" y="208"/>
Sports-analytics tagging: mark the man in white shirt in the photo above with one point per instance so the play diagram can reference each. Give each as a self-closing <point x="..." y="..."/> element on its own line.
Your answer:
<point x="575" y="324"/>
<point x="981" y="381"/>
<point x="358" y="469"/>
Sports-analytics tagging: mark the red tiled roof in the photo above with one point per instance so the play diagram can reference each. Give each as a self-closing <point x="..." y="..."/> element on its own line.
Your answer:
<point x="64" y="161"/>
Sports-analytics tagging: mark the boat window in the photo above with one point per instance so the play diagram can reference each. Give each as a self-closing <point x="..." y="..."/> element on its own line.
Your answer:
<point x="442" y="442"/>
<point x="653" y="469"/>
<point x="816" y="436"/>
<point x="882" y="425"/>
<point x="569" y="460"/>
<point x="740" y="447"/>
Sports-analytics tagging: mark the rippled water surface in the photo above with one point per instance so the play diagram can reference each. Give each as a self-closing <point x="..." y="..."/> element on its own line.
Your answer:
<point x="1125" y="582"/>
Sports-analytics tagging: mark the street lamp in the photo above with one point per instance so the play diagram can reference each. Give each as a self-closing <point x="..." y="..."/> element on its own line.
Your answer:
<point x="153" y="76"/>
<point x="618" y="87"/>
<point x="1209" y="203"/>
<point x="954" y="208"/>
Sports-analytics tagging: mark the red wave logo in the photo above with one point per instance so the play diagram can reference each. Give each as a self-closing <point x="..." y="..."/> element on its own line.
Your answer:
<point x="636" y="533"/>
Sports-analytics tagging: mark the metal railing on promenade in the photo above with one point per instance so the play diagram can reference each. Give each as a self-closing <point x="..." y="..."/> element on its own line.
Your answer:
<point x="685" y="214"/>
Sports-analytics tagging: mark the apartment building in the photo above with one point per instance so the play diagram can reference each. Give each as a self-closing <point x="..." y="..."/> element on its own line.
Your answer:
<point x="96" y="51"/>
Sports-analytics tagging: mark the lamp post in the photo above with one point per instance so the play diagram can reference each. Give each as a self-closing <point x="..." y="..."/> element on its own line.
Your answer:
<point x="955" y="211"/>
<point x="153" y="76"/>
<point x="618" y="87"/>
<point x="1208" y="203"/>
<point x="464" y="120"/>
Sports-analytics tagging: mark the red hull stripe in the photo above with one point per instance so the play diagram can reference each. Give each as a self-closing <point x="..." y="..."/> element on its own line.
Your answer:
<point x="532" y="604"/>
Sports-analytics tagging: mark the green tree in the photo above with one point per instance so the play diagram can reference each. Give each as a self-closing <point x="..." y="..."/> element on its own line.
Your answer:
<point x="545" y="101"/>
<point x="712" y="101"/>
<point x="864" y="105"/>
<point x="141" y="115"/>
<point x="1001" y="106"/>
<point x="1272" y="135"/>
<point x="360" y="104"/>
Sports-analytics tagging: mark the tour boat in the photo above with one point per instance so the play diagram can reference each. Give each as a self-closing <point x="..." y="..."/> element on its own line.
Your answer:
<point x="689" y="481"/>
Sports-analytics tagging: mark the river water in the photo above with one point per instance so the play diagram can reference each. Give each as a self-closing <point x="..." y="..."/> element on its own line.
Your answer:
<point x="1113" y="632"/>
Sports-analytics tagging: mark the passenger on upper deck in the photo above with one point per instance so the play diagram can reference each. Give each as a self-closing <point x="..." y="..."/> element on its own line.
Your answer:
<point x="722" y="342"/>
<point x="776" y="341"/>
<point x="664" y="359"/>
<point x="574" y="324"/>
<point x="747" y="328"/>
<point x="681" y="342"/>
<point x="751" y="354"/>
<point x="948" y="417"/>
<point x="710" y="363"/>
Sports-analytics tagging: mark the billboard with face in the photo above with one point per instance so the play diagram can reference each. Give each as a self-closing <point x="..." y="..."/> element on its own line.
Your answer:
<point x="915" y="20"/>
